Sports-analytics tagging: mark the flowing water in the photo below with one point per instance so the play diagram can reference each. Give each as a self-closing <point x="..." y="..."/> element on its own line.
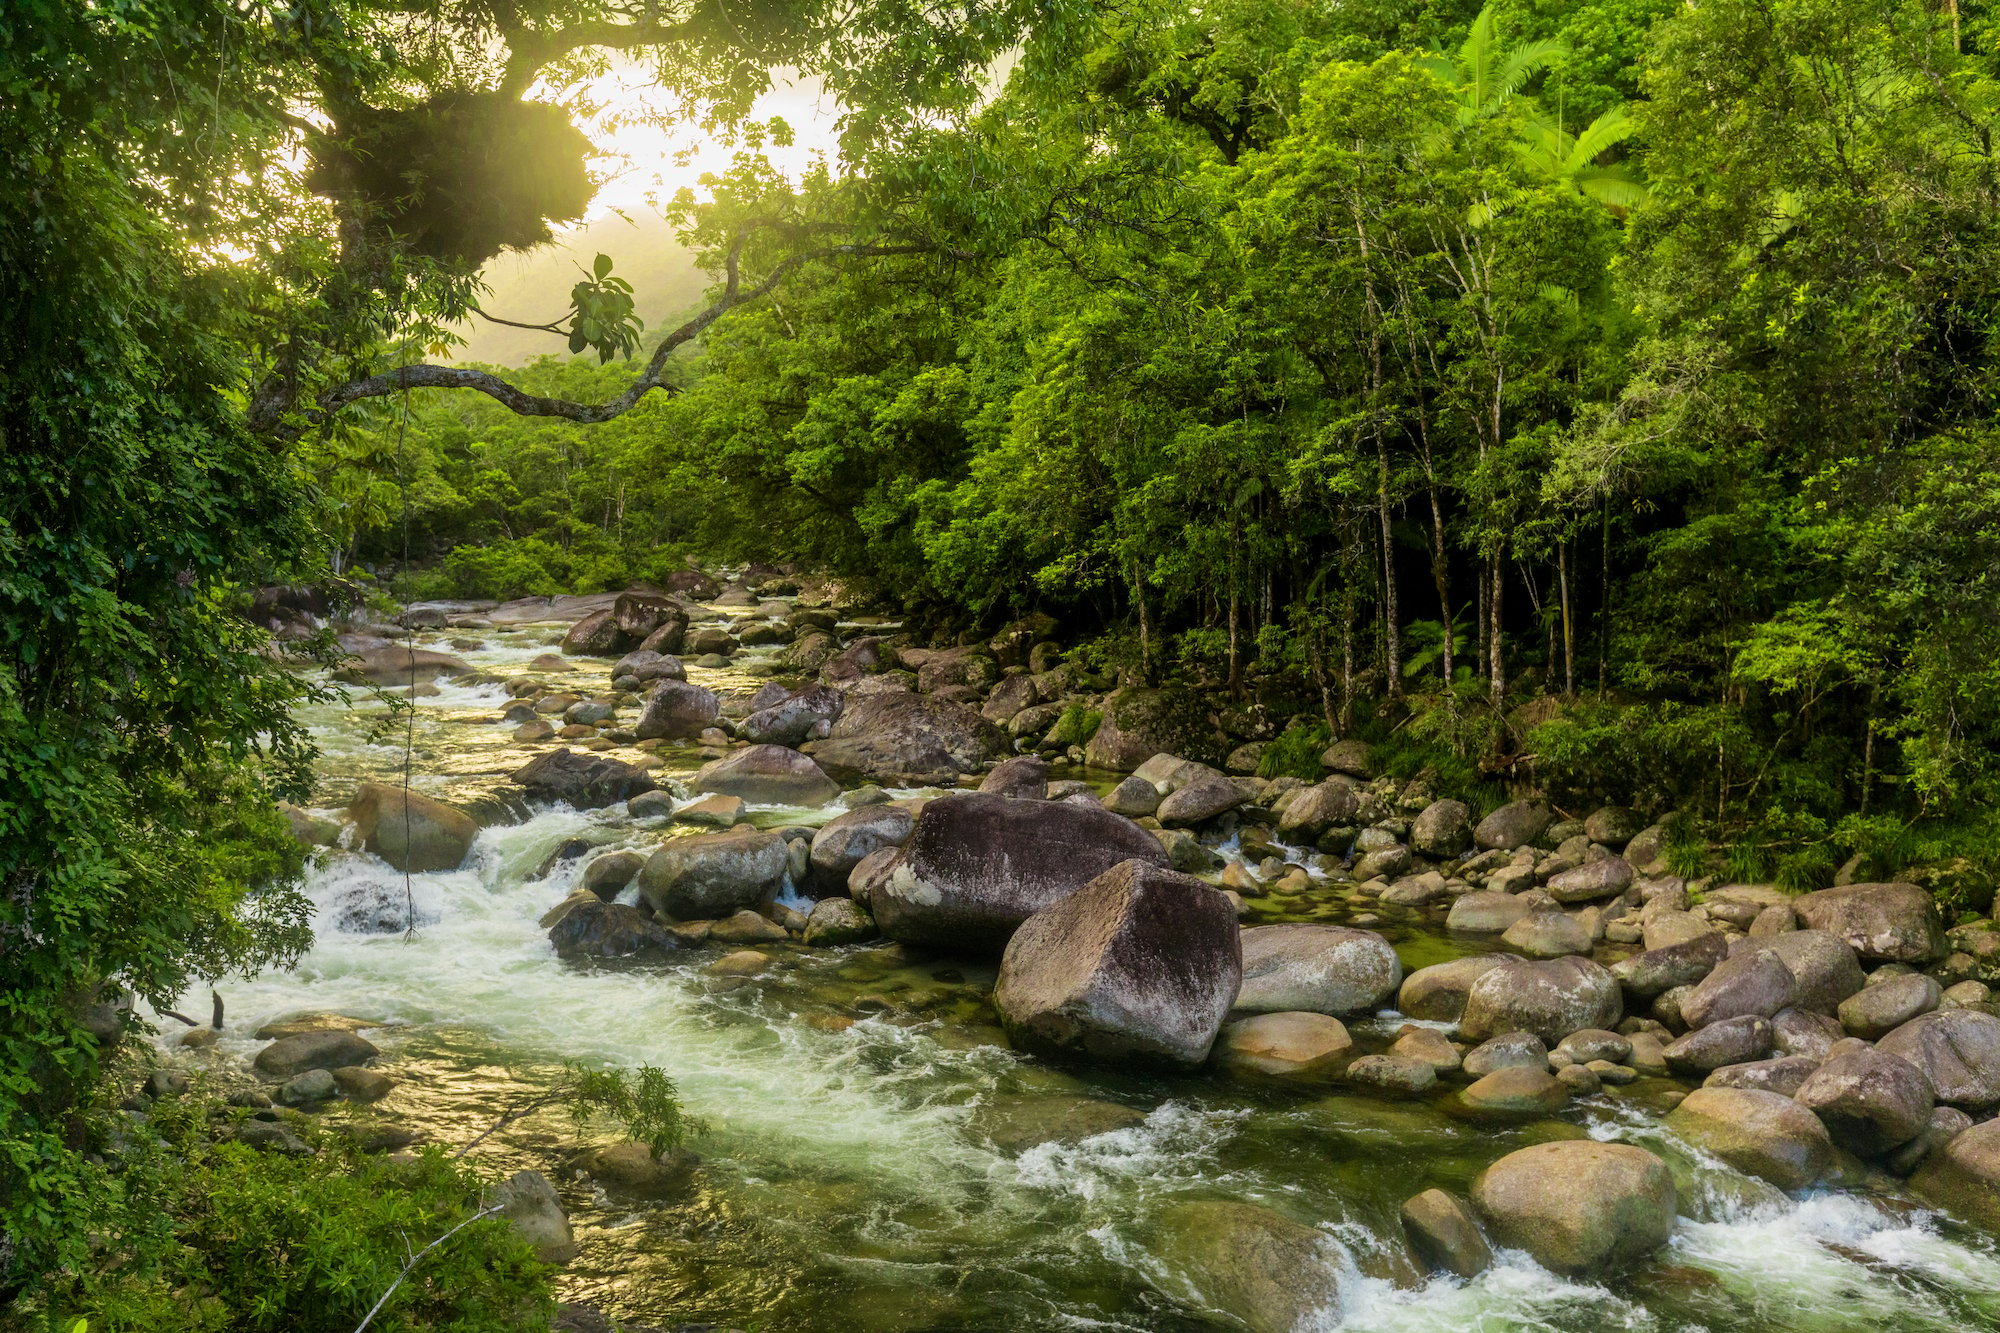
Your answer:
<point x="863" y="1117"/>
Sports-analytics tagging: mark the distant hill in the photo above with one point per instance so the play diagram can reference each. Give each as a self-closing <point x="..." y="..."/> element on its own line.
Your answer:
<point x="534" y="287"/>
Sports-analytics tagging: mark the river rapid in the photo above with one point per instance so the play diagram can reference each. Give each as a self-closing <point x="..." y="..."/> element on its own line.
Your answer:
<point x="863" y="1118"/>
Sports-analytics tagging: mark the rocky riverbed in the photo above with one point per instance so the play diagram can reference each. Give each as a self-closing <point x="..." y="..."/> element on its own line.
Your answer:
<point x="1009" y="1001"/>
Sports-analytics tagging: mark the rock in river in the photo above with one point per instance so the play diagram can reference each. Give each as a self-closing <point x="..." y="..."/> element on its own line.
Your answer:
<point x="411" y="832"/>
<point x="1578" y="1206"/>
<point x="609" y="930"/>
<point x="1259" y="1266"/>
<point x="1140" y="723"/>
<point x="768" y="775"/>
<point x="1320" y="969"/>
<point x="701" y="878"/>
<point x="1302" y="1046"/>
<point x="581" y="780"/>
<point x="1871" y="1102"/>
<point x="1963" y="1176"/>
<point x="1138" y="966"/>
<point x="1958" y="1050"/>
<point x="843" y="842"/>
<point x="1895" y="923"/>
<point x="327" y="1050"/>
<point x="1438" y="993"/>
<point x="1762" y="1133"/>
<point x="977" y="865"/>
<point x="907" y="740"/>
<point x="1550" y="999"/>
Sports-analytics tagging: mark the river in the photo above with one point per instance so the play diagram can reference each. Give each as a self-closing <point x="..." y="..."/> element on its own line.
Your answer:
<point x="851" y="1181"/>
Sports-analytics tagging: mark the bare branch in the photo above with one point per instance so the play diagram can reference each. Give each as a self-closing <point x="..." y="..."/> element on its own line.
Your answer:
<point x="550" y="327"/>
<point x="528" y="50"/>
<point x="526" y="404"/>
<point x="487" y="1211"/>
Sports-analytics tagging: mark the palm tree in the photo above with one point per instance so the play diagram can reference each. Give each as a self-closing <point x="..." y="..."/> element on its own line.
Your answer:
<point x="1485" y="76"/>
<point x="1572" y="158"/>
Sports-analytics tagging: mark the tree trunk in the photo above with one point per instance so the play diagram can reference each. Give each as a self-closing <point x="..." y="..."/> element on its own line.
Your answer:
<point x="1145" y="626"/>
<point x="1569" y="639"/>
<point x="1392" y="640"/>
<point x="1441" y="576"/>
<point x="1496" y="604"/>
<point x="1604" y="595"/>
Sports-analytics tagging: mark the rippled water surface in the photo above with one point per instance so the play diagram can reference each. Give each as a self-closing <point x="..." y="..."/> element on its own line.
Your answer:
<point x="863" y="1118"/>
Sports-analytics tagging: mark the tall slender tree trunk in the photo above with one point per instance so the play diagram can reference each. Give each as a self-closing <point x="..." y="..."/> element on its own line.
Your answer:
<point x="1569" y="633"/>
<point x="1497" y="659"/>
<point x="1145" y="625"/>
<point x="1346" y="666"/>
<point x="1441" y="574"/>
<point x="1392" y="632"/>
<point x="1604" y="595"/>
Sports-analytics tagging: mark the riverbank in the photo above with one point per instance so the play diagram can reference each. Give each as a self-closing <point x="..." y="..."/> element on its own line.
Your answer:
<point x="878" y="1154"/>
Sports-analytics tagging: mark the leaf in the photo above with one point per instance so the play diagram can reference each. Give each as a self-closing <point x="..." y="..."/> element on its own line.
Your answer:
<point x="602" y="267"/>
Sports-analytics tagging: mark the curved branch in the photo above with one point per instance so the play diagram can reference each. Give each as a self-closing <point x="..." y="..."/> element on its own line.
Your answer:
<point x="531" y="405"/>
<point x="528" y="50"/>
<point x="550" y="327"/>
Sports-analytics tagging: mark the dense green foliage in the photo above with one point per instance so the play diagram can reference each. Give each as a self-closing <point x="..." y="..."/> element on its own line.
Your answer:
<point x="219" y="214"/>
<point x="1633" y="355"/>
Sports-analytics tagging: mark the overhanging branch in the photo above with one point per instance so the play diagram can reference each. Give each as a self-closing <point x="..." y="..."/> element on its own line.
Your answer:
<point x="527" y="404"/>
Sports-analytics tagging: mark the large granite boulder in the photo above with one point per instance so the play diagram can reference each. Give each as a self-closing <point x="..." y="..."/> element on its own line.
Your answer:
<point x="1438" y="993"/>
<point x="1963" y="1177"/>
<point x="326" y="1049"/>
<point x="1756" y="983"/>
<point x="1200" y="800"/>
<point x="1313" y="810"/>
<point x="715" y="874"/>
<point x="1140" y="723"/>
<point x="1958" y="1051"/>
<point x="398" y="665"/>
<point x="844" y="841"/>
<point x="599" y="929"/>
<point x="580" y="779"/>
<point x="1317" y="969"/>
<point x="529" y="1203"/>
<point x="1895" y="923"/>
<point x="1657" y="971"/>
<point x="1025" y="777"/>
<point x="1879" y="1009"/>
<point x="412" y="833"/>
<point x="1592" y="880"/>
<point x="907" y="740"/>
<point x="1136" y="967"/>
<point x="1823" y="964"/>
<point x="1443" y="830"/>
<point x="1516" y="824"/>
<point x="676" y="710"/>
<point x="1264" y="1271"/>
<point x="977" y="865"/>
<point x="1726" y="1041"/>
<point x="795" y="719"/>
<point x="1551" y="999"/>
<point x="1761" y="1133"/>
<point x="1299" y="1046"/>
<point x="1871" y="1101"/>
<point x="1578" y="1206"/>
<point x="767" y="775"/>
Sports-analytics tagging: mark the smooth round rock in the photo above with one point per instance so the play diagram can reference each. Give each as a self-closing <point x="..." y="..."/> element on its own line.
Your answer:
<point x="1578" y="1206"/>
<point x="1304" y="1046"/>
<point x="1763" y="1134"/>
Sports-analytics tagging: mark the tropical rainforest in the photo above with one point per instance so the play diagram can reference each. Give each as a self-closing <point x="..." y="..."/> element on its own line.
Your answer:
<point x="1594" y="396"/>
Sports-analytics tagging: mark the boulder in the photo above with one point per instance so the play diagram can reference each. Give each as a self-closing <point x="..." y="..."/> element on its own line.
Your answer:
<point x="1392" y="1074"/>
<point x="744" y="926"/>
<point x="796" y="719"/>
<point x="1657" y="971"/>
<point x="1803" y="1032"/>
<point x="581" y="780"/>
<point x="1875" y="1011"/>
<point x="844" y="841"/>
<point x="529" y="1202"/>
<point x="1438" y="993"/>
<point x="1764" y="1134"/>
<point x="976" y="866"/>
<point x="1515" y="1090"/>
<point x="838" y="921"/>
<point x="1441" y="1229"/>
<point x="1613" y="825"/>
<point x="767" y="775"/>
<point x="1317" y="969"/>
<point x="1314" y="810"/>
<point x="290" y="1056"/>
<point x="1263" y="1270"/>
<point x="1963" y="1176"/>
<point x="1510" y="1050"/>
<point x="864" y="657"/>
<point x="596" y="635"/>
<point x="631" y="1168"/>
<point x="1008" y="698"/>
<point x="1896" y="923"/>
<point x="1592" y="880"/>
<point x="1825" y="967"/>
<point x="361" y="1084"/>
<point x="412" y="833"/>
<point x="1136" y="967"/>
<point x="1485" y="913"/>
<point x="1024" y="777"/>
<point x="1548" y="934"/>
<point x="1516" y="824"/>
<point x="1957" y="1050"/>
<point x="1756" y="983"/>
<point x="1550" y="999"/>
<point x="1300" y="1046"/>
<point x="1727" y="1041"/>
<point x="1871" y="1101"/>
<point x="907" y="740"/>
<point x="714" y="874"/>
<point x="1578" y="1206"/>
<point x="1200" y="800"/>
<point x="399" y="666"/>
<point x="1140" y="723"/>
<point x="1784" y="1075"/>
<point x="1442" y="831"/>
<point x="1014" y="1123"/>
<point x="646" y="666"/>
<point x="1133" y="797"/>
<point x="609" y="930"/>
<point x="676" y="710"/>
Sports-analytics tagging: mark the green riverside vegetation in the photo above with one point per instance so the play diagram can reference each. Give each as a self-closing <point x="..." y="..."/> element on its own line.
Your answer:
<point x="1597" y="396"/>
